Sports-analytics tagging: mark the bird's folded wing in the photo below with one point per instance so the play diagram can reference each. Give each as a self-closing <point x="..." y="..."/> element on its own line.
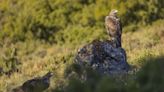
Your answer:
<point x="111" y="23"/>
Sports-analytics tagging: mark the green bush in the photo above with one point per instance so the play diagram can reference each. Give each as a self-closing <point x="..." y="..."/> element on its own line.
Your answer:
<point x="42" y="19"/>
<point x="148" y="79"/>
<point x="47" y="33"/>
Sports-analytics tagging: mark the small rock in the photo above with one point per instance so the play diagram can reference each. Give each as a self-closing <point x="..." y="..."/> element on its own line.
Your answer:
<point x="38" y="84"/>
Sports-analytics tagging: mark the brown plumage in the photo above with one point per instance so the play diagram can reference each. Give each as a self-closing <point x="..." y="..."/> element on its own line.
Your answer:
<point x="113" y="27"/>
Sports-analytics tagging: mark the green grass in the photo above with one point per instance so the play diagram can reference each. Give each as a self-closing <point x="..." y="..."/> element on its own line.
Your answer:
<point x="38" y="57"/>
<point x="41" y="36"/>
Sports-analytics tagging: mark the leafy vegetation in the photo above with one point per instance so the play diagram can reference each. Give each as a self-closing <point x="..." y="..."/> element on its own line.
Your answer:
<point x="149" y="78"/>
<point x="37" y="36"/>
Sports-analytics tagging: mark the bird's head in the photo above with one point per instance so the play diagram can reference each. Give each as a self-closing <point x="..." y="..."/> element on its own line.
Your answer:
<point x="113" y="12"/>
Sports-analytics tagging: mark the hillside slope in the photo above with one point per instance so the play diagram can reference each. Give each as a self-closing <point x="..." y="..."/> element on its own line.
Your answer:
<point x="40" y="36"/>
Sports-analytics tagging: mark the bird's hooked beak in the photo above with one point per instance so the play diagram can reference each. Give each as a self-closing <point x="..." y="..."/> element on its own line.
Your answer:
<point x="115" y="11"/>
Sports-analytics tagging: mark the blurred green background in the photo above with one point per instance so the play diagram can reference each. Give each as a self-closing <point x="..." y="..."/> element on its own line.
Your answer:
<point x="37" y="36"/>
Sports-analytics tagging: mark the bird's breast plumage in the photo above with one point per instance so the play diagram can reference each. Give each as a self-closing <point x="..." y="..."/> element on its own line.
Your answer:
<point x="112" y="25"/>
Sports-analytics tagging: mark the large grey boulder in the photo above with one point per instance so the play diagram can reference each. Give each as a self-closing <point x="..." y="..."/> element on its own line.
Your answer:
<point x="103" y="57"/>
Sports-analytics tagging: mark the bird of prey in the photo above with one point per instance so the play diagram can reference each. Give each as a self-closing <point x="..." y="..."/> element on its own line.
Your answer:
<point x="113" y="27"/>
<point x="38" y="84"/>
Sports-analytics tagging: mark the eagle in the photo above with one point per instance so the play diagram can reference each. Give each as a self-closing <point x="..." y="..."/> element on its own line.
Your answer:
<point x="113" y="27"/>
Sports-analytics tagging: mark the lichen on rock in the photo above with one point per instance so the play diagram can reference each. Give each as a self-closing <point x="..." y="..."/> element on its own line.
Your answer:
<point x="103" y="57"/>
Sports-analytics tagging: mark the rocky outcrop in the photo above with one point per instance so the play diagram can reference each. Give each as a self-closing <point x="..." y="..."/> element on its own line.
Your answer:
<point x="106" y="57"/>
<point x="103" y="57"/>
